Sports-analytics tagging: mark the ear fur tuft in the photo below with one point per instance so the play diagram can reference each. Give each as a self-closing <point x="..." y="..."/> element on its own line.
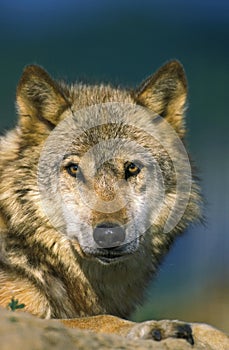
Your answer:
<point x="39" y="98"/>
<point x="165" y="93"/>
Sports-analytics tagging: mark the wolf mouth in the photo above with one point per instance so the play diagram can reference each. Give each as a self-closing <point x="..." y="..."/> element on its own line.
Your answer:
<point x="114" y="254"/>
<point x="112" y="259"/>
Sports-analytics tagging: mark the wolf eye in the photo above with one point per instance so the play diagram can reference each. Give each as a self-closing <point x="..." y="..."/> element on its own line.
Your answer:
<point x="131" y="169"/>
<point x="72" y="169"/>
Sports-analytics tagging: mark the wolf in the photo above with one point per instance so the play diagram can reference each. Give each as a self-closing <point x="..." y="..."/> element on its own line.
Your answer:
<point x="95" y="185"/>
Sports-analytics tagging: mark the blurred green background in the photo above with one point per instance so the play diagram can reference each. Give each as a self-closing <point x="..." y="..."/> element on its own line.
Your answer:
<point x="123" y="42"/>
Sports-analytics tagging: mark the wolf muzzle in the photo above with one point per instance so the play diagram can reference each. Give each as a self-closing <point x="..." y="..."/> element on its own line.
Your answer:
<point x="109" y="235"/>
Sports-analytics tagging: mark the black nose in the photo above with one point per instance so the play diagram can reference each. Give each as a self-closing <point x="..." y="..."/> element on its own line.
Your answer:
<point x="108" y="235"/>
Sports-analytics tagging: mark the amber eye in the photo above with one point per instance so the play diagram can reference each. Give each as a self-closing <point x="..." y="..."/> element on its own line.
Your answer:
<point x="131" y="169"/>
<point x="72" y="169"/>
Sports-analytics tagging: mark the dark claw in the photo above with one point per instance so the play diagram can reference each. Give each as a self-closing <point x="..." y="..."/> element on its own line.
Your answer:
<point x="185" y="332"/>
<point x="156" y="335"/>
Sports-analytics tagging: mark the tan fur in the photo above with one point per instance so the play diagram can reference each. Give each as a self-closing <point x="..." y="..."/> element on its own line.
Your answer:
<point x="47" y="270"/>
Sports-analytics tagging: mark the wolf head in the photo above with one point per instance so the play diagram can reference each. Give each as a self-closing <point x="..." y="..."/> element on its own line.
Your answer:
<point x="105" y="166"/>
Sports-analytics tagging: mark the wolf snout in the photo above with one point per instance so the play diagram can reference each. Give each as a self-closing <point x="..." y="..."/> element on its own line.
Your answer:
<point x="108" y="235"/>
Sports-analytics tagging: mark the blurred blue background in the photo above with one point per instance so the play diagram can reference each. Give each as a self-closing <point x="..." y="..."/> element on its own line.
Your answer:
<point x="124" y="41"/>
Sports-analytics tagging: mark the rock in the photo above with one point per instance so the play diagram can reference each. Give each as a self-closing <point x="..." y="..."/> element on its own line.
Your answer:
<point x="22" y="331"/>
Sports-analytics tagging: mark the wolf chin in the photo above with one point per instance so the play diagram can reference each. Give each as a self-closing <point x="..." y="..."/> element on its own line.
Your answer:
<point x="95" y="185"/>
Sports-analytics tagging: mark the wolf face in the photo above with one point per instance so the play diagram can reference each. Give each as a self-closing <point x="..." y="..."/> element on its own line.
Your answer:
<point x="109" y="170"/>
<point x="114" y="176"/>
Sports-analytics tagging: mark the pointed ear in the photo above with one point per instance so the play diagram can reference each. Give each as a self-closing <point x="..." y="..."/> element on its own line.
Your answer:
<point x="40" y="100"/>
<point x="165" y="93"/>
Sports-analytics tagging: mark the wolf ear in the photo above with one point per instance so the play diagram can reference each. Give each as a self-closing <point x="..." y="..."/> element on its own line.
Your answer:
<point x="39" y="99"/>
<point x="165" y="93"/>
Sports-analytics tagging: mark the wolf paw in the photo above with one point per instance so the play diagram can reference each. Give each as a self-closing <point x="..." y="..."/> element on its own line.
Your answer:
<point x="159" y="330"/>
